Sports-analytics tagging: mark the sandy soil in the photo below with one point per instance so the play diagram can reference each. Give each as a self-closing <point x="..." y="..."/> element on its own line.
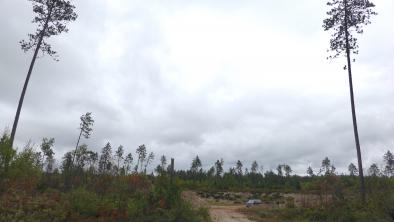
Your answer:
<point x="227" y="214"/>
<point x="222" y="213"/>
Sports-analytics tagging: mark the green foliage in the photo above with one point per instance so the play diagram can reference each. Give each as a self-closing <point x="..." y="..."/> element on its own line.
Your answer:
<point x="343" y="204"/>
<point x="389" y="161"/>
<point x="87" y="194"/>
<point x="196" y="164"/>
<point x="105" y="162"/>
<point x="86" y="124"/>
<point x="83" y="202"/>
<point x="46" y="148"/>
<point x="141" y="153"/>
<point x="136" y="206"/>
<point x="348" y="212"/>
<point x="7" y="154"/>
<point x="158" y="201"/>
<point x="346" y="16"/>
<point x="92" y="190"/>
<point x="59" y="12"/>
<point x="26" y="168"/>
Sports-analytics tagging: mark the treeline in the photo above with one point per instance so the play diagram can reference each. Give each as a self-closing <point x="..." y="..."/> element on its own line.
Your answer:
<point x="336" y="196"/>
<point x="112" y="185"/>
<point x="77" y="167"/>
<point x="241" y="177"/>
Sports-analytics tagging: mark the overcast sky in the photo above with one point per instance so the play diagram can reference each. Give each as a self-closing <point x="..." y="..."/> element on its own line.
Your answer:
<point x="227" y="79"/>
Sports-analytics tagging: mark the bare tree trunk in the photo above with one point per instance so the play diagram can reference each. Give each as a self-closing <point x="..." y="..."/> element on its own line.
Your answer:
<point x="18" y="110"/>
<point x="141" y="165"/>
<point x="136" y="168"/>
<point x="356" y="138"/>
<point x="117" y="169"/>
<point x="73" y="169"/>
<point x="76" y="147"/>
<point x="172" y="171"/>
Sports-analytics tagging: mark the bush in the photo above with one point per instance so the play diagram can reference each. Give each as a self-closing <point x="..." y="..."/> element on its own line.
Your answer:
<point x="83" y="203"/>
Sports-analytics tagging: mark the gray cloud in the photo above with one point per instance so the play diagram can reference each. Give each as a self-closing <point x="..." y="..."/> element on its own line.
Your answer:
<point x="228" y="80"/>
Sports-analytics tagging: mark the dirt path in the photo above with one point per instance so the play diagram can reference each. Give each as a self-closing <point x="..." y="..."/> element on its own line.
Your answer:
<point x="218" y="213"/>
<point x="227" y="214"/>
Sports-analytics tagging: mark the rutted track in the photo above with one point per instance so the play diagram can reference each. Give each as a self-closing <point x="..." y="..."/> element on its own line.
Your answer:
<point x="227" y="214"/>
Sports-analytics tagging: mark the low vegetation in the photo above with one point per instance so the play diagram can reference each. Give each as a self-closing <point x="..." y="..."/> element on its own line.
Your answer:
<point x="88" y="186"/>
<point x="90" y="189"/>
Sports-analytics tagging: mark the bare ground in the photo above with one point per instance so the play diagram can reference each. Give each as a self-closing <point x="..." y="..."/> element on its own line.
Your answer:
<point x="221" y="213"/>
<point x="227" y="214"/>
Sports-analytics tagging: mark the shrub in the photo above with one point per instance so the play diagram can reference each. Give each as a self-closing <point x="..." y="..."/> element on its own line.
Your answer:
<point x="83" y="202"/>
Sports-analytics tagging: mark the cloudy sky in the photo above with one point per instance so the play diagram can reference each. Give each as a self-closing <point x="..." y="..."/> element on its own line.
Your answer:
<point x="227" y="79"/>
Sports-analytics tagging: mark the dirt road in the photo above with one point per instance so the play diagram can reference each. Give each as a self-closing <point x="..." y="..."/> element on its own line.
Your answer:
<point x="218" y="213"/>
<point x="227" y="214"/>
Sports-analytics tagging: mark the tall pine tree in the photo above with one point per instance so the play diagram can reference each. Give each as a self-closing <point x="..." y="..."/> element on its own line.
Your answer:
<point x="345" y="18"/>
